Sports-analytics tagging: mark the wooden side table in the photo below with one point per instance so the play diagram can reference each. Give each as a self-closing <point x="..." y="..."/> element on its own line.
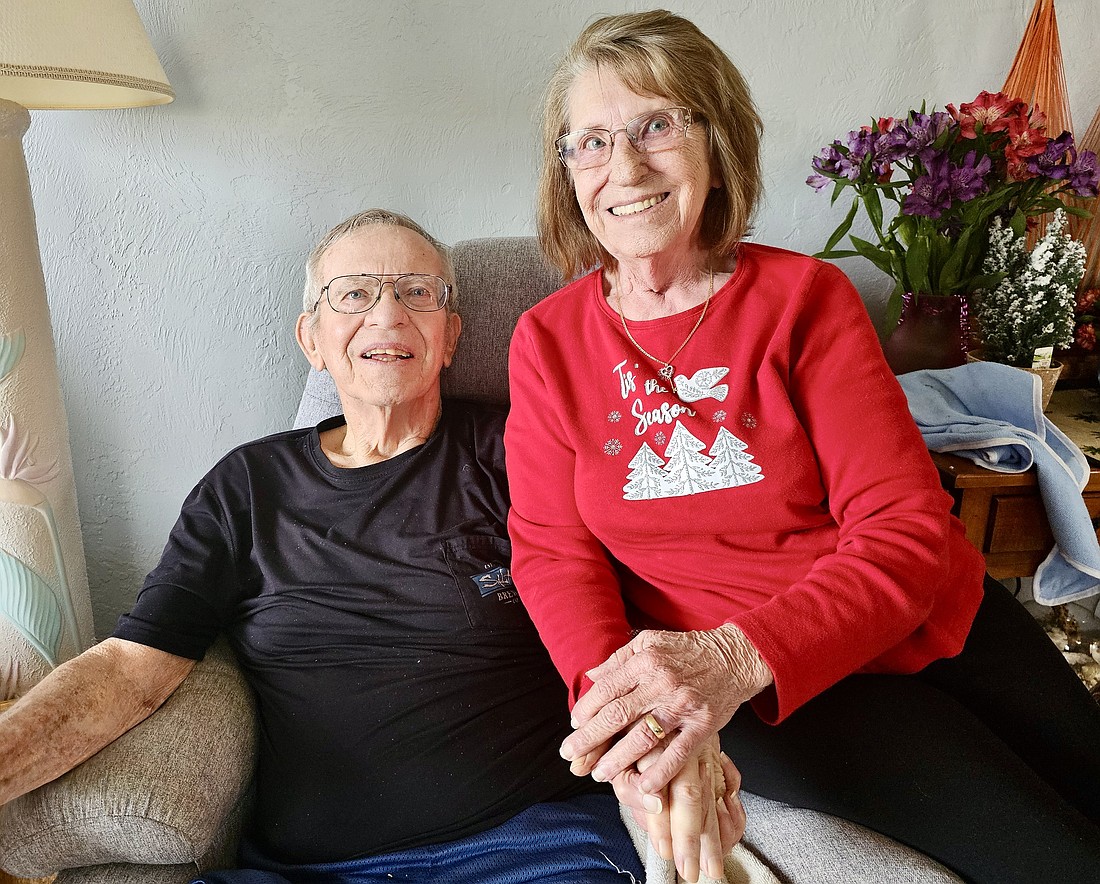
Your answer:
<point x="1002" y="512"/>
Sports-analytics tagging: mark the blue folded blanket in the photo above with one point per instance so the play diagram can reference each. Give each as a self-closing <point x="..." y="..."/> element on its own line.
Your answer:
<point x="992" y="415"/>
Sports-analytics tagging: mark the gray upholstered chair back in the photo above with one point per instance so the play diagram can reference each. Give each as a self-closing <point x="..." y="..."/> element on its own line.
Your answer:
<point x="498" y="279"/>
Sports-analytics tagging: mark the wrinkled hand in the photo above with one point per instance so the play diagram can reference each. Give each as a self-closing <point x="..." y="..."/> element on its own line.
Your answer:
<point x="692" y="682"/>
<point x="701" y="815"/>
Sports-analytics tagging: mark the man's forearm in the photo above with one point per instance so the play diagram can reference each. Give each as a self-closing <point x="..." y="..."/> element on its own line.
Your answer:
<point x="81" y="707"/>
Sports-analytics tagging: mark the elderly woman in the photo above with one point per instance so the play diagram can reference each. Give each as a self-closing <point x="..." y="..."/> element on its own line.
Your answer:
<point x="721" y="505"/>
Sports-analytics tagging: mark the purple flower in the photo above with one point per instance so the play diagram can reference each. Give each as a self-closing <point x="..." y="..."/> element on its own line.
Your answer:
<point x="860" y="143"/>
<point x="968" y="180"/>
<point x="834" y="160"/>
<point x="931" y="194"/>
<point x="1049" y="163"/>
<point x="914" y="136"/>
<point x="1084" y="177"/>
<point x="827" y="159"/>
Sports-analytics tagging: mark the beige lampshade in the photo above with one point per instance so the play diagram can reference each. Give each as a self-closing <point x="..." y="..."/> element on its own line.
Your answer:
<point x="72" y="54"/>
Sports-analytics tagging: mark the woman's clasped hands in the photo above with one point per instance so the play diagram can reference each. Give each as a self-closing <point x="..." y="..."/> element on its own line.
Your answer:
<point x="690" y="684"/>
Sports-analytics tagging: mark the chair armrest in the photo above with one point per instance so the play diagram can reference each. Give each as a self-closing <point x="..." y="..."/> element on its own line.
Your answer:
<point x="160" y="793"/>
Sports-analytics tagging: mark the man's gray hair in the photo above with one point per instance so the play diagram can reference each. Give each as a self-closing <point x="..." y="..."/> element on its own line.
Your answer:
<point x="370" y="218"/>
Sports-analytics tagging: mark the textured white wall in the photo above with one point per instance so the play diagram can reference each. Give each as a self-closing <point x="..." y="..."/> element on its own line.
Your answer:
<point x="172" y="237"/>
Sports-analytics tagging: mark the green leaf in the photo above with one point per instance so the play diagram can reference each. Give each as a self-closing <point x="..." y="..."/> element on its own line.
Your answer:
<point x="916" y="265"/>
<point x="1018" y="223"/>
<point x="874" y="208"/>
<point x="1078" y="211"/>
<point x="893" y="310"/>
<point x="843" y="229"/>
<point x="29" y="603"/>
<point x="874" y="254"/>
<point x="986" y="281"/>
<point x="949" y="275"/>
<point x="836" y="253"/>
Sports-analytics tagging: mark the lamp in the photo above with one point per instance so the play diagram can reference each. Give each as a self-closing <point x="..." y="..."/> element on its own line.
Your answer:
<point x="56" y="54"/>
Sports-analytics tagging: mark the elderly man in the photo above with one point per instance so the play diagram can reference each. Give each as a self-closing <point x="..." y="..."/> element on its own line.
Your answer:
<point x="409" y="717"/>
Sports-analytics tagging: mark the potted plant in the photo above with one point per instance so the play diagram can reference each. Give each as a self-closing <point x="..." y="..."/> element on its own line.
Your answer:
<point x="1030" y="310"/>
<point x="946" y="176"/>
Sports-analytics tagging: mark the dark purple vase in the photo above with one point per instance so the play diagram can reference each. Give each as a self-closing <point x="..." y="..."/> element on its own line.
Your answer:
<point x="933" y="332"/>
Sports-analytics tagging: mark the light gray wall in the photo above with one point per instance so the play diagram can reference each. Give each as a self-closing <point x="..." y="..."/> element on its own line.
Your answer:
<point x="172" y="237"/>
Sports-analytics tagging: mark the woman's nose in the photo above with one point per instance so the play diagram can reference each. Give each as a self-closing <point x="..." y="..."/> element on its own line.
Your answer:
<point x="626" y="162"/>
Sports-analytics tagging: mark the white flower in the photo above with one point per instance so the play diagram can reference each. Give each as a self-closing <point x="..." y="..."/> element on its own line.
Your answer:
<point x="16" y="456"/>
<point x="1033" y="304"/>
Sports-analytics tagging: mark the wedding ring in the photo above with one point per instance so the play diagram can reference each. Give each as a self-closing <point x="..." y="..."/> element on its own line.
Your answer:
<point x="654" y="726"/>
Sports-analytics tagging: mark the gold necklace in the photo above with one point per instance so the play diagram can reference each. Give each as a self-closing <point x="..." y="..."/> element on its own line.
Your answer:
<point x="666" y="371"/>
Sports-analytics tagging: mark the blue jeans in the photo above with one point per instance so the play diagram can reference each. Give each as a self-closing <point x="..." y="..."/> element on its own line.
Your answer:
<point x="579" y="841"/>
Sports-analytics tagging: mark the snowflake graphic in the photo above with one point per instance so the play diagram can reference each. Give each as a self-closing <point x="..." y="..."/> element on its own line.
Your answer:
<point x="659" y="438"/>
<point x="614" y="417"/>
<point x="747" y="420"/>
<point x="719" y="416"/>
<point x="612" y="447"/>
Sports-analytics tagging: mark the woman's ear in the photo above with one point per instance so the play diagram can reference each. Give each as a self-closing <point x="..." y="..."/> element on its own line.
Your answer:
<point x="454" y="330"/>
<point x="305" y="330"/>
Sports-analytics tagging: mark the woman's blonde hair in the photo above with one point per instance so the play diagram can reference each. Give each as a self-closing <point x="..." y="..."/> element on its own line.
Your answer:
<point x="370" y="218"/>
<point x="660" y="54"/>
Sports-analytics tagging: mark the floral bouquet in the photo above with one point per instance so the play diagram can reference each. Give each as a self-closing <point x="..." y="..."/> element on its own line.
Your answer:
<point x="1031" y="310"/>
<point x="950" y="175"/>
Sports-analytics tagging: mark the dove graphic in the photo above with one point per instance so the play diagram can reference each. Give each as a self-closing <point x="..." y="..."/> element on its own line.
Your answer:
<point x="701" y="385"/>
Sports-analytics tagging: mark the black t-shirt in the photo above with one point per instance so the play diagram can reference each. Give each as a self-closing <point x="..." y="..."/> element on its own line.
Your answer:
<point x="404" y="696"/>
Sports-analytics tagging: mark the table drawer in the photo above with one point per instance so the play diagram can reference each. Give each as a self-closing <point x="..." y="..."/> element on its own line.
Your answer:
<point x="1018" y="523"/>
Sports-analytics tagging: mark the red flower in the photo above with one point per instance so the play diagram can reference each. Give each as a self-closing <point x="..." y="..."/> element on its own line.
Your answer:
<point x="1086" y="336"/>
<point x="1087" y="299"/>
<point x="992" y="112"/>
<point x="1024" y="140"/>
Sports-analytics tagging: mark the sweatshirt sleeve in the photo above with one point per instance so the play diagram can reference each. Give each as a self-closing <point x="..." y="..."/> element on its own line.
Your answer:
<point x="892" y="556"/>
<point x="561" y="570"/>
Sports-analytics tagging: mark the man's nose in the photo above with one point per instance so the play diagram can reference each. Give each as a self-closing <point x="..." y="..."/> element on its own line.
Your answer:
<point x="388" y="310"/>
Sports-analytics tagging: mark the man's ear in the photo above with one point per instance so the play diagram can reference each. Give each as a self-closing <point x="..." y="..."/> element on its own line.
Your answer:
<point x="305" y="332"/>
<point x="454" y="330"/>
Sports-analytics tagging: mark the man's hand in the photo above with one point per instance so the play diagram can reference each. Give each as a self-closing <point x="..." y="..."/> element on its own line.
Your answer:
<point x="700" y="816"/>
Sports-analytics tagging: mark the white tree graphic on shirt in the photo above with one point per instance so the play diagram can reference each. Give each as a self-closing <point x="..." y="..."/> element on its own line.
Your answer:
<point x="644" y="478"/>
<point x="731" y="461"/>
<point x="687" y="470"/>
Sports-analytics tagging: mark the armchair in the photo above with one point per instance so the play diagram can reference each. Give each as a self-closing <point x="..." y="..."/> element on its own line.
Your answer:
<point x="165" y="801"/>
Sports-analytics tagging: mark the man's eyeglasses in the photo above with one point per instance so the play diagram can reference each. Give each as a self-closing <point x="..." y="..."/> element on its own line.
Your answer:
<point x="358" y="293"/>
<point x="649" y="133"/>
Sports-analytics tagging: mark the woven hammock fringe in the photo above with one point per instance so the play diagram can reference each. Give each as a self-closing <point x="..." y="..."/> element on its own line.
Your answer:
<point x="1038" y="77"/>
<point x="1087" y="230"/>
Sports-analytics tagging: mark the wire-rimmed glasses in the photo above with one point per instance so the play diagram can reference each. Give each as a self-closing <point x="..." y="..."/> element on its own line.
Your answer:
<point x="359" y="292"/>
<point x="651" y="132"/>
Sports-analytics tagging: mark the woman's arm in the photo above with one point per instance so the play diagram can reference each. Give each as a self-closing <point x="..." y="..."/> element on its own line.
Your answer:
<point x="80" y="707"/>
<point x="561" y="570"/>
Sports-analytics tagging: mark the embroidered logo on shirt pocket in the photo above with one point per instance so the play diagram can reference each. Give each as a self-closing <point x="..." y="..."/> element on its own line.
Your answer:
<point x="481" y="569"/>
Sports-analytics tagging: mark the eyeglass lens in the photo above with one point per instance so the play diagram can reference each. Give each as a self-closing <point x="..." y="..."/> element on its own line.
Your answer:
<point x="358" y="294"/>
<point x="659" y="130"/>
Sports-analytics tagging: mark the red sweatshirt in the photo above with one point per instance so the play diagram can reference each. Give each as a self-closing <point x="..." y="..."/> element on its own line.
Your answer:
<point x="791" y="494"/>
